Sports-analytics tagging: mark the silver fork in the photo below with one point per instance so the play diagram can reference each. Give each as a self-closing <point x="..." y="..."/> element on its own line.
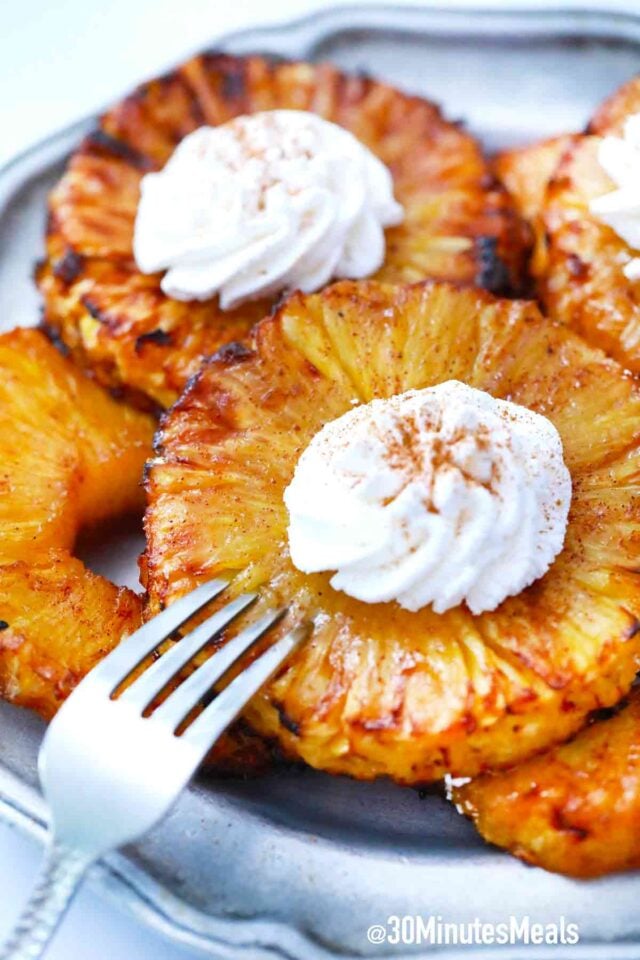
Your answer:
<point x="108" y="772"/>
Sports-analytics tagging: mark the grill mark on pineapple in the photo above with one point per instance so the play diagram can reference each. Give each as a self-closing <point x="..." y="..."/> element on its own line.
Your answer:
<point x="101" y="143"/>
<point x="234" y="352"/>
<point x="159" y="337"/>
<point x="196" y="111"/>
<point x="234" y="81"/>
<point x="69" y="267"/>
<point x="489" y="181"/>
<point x="577" y="268"/>
<point x="4" y="625"/>
<point x="286" y="721"/>
<point x="492" y="272"/>
<point x="601" y="714"/>
<point x="54" y="337"/>
<point x="94" y="310"/>
<point x="217" y="60"/>
<point x="633" y="630"/>
<point x="164" y="82"/>
<point x="558" y="821"/>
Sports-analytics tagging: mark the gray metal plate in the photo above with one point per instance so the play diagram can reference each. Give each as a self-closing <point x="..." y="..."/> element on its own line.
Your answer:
<point x="299" y="864"/>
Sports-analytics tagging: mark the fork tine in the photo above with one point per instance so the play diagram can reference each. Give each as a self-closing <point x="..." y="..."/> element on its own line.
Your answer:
<point x="211" y="723"/>
<point x="187" y="696"/>
<point x="130" y="652"/>
<point x="155" y="678"/>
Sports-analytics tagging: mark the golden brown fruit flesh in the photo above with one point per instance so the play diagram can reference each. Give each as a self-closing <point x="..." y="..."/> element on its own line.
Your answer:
<point x="70" y="457"/>
<point x="459" y="223"/>
<point x="526" y="173"/>
<point x="379" y="690"/>
<point x="578" y="260"/>
<point x="574" y="809"/>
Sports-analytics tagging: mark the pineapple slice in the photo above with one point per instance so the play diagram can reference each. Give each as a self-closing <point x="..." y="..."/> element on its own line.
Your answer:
<point x="574" y="809"/>
<point x="578" y="260"/>
<point x="379" y="690"/>
<point x="70" y="457"/>
<point x="526" y="173"/>
<point x="459" y="222"/>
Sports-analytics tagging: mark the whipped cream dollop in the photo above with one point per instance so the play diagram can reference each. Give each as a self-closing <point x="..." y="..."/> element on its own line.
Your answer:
<point x="620" y="209"/>
<point x="269" y="201"/>
<point x="434" y="496"/>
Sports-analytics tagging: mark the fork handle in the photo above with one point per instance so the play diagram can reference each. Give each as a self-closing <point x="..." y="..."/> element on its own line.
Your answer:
<point x="60" y="877"/>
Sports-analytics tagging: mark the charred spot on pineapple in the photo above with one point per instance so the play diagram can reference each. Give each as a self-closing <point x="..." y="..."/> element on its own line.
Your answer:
<point x="3" y="625"/>
<point x="577" y="268"/>
<point x="54" y="339"/>
<point x="104" y="144"/>
<point x="606" y="713"/>
<point x="493" y="274"/>
<point x="95" y="311"/>
<point x="287" y="722"/>
<point x="234" y="80"/>
<point x="560" y="821"/>
<point x="158" y="337"/>
<point x="490" y="181"/>
<point x="234" y="352"/>
<point x="633" y="630"/>
<point x="69" y="267"/>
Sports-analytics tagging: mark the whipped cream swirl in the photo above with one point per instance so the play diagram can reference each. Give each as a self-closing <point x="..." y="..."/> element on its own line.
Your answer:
<point x="267" y="202"/>
<point x="620" y="209"/>
<point x="435" y="496"/>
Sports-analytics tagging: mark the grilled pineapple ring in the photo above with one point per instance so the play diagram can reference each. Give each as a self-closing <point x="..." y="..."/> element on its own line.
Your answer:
<point x="70" y="456"/>
<point x="379" y="690"/>
<point x="459" y="223"/>
<point x="575" y="808"/>
<point x="579" y="260"/>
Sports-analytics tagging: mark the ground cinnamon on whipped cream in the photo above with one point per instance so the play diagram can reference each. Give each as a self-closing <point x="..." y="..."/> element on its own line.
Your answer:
<point x="436" y="496"/>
